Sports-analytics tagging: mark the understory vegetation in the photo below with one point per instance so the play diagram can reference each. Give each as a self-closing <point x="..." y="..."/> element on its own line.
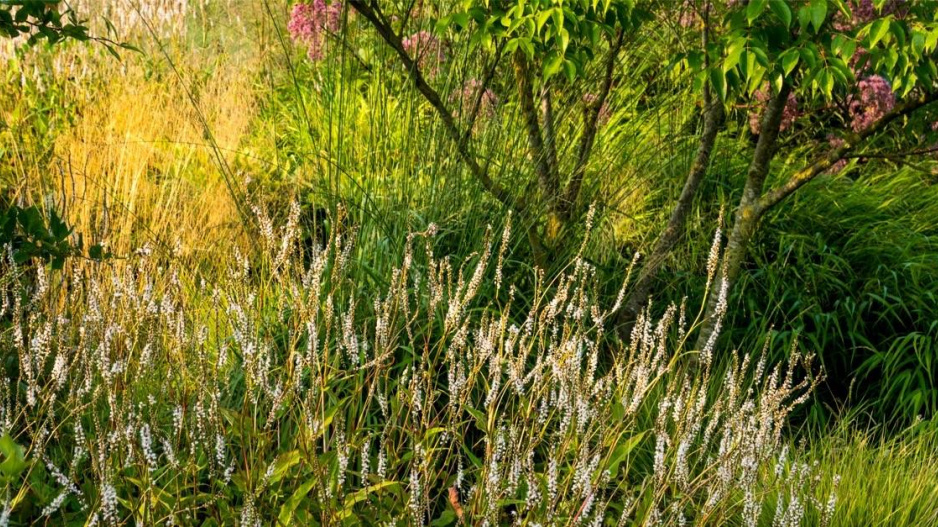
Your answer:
<point x="469" y="263"/>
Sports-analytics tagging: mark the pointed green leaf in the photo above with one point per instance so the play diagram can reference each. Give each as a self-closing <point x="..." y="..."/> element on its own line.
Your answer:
<point x="754" y="9"/>
<point x="818" y="13"/>
<point x="782" y="11"/>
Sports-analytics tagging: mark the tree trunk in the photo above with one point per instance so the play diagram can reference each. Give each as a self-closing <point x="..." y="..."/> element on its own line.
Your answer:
<point x="746" y="219"/>
<point x="712" y="119"/>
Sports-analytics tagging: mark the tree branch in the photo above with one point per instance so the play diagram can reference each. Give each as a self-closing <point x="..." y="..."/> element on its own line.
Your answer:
<point x="591" y="125"/>
<point x="800" y="178"/>
<point x="373" y="14"/>
<point x="477" y="103"/>
<point x="712" y="120"/>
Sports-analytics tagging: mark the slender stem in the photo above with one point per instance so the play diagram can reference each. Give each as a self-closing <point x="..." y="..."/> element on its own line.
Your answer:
<point x="591" y="126"/>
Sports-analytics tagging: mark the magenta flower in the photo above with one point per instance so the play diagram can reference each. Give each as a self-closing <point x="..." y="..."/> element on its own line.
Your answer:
<point x="873" y="100"/>
<point x="789" y="113"/>
<point x="309" y="22"/>
<point x="426" y="50"/>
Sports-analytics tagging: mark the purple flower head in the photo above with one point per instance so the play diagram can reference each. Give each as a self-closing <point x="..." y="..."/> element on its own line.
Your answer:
<point x="426" y="49"/>
<point x="789" y="113"/>
<point x="309" y="21"/>
<point x="873" y="100"/>
<point x="589" y="99"/>
<point x="467" y="96"/>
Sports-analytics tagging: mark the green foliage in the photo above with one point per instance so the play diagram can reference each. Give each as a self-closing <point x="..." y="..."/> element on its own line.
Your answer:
<point x="40" y="20"/>
<point x="563" y="36"/>
<point x="851" y="270"/>
<point x="760" y="41"/>
<point x="27" y="233"/>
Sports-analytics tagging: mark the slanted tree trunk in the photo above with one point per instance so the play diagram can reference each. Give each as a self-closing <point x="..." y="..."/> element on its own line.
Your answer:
<point x="712" y="119"/>
<point x="747" y="214"/>
<point x="712" y="114"/>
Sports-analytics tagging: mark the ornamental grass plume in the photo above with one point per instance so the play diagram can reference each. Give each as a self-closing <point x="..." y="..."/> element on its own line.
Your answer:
<point x="265" y="393"/>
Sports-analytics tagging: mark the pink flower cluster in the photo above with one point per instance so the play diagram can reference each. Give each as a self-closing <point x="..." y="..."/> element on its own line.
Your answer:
<point x="874" y="98"/>
<point x="427" y="50"/>
<point x="467" y="96"/>
<point x="789" y="113"/>
<point x="309" y="21"/>
<point x="589" y="99"/>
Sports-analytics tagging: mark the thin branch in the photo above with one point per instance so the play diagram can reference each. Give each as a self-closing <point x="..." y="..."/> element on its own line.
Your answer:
<point x="591" y="126"/>
<point x="893" y="156"/>
<point x="486" y="82"/>
<point x="373" y="14"/>
<point x="800" y="178"/>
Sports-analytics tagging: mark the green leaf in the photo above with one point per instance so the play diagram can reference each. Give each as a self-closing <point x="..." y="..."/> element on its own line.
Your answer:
<point x="818" y="13"/>
<point x="96" y="252"/>
<point x="736" y="48"/>
<point x="283" y="463"/>
<point x="570" y="70"/>
<point x="804" y="18"/>
<point x="14" y="458"/>
<point x="552" y="65"/>
<point x="288" y="509"/>
<point x="918" y="43"/>
<point x="360" y="496"/>
<point x="695" y="59"/>
<point x="447" y="517"/>
<point x="622" y="451"/>
<point x="776" y="81"/>
<point x="782" y="11"/>
<point x="808" y="57"/>
<point x="718" y="81"/>
<point x="754" y="9"/>
<point x="878" y="30"/>
<point x="789" y="60"/>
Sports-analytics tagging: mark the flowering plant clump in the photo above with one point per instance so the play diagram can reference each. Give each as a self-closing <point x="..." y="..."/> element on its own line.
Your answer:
<point x="427" y="50"/>
<point x="310" y="21"/>
<point x="873" y="100"/>
<point x="789" y="114"/>
<point x="292" y="397"/>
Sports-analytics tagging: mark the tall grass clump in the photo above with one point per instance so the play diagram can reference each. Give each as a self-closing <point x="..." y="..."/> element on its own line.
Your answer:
<point x="279" y="390"/>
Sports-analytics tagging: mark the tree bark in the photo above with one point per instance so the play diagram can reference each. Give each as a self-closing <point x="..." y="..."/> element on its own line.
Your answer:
<point x="748" y="213"/>
<point x="538" y="151"/>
